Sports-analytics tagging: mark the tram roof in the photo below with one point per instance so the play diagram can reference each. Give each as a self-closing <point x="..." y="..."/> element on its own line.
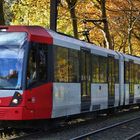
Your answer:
<point x="73" y="43"/>
<point x="135" y="59"/>
<point x="42" y="35"/>
<point x="35" y="33"/>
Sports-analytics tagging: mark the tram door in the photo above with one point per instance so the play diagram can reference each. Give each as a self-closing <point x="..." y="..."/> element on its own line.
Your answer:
<point x="111" y="81"/>
<point x="129" y="80"/>
<point x="85" y="80"/>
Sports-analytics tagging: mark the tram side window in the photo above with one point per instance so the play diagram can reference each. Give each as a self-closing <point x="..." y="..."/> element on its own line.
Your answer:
<point x="66" y="67"/>
<point x="37" y="65"/>
<point x="130" y="72"/>
<point x="127" y="72"/>
<point x="99" y="69"/>
<point x="73" y="66"/>
<point x="103" y="69"/>
<point x="42" y="63"/>
<point x="95" y="69"/>
<point x="132" y="76"/>
<point x="116" y="71"/>
<point x="136" y="73"/>
<point x="61" y="64"/>
<point x="32" y="66"/>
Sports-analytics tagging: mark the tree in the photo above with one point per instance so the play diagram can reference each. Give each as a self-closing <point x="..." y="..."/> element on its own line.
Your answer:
<point x="132" y="19"/>
<point x="30" y="12"/>
<point x="116" y="23"/>
<point x="125" y="21"/>
<point x="101" y="5"/>
<point x="71" y="7"/>
<point x="2" y="21"/>
<point x="105" y="30"/>
<point x="98" y="16"/>
<point x="53" y="14"/>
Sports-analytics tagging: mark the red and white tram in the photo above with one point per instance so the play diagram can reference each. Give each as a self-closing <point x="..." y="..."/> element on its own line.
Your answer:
<point x="46" y="75"/>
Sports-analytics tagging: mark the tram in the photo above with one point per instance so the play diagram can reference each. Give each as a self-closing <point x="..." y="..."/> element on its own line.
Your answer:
<point x="46" y="75"/>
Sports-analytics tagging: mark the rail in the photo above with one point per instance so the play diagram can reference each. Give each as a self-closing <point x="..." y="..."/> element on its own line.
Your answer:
<point x="136" y="135"/>
<point x="104" y="128"/>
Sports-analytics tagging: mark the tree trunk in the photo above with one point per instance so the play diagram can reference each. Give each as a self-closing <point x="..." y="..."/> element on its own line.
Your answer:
<point x="130" y="27"/>
<point x="53" y="14"/>
<point x="106" y="28"/>
<point x="2" y="21"/>
<point x="129" y="41"/>
<point x="71" y="6"/>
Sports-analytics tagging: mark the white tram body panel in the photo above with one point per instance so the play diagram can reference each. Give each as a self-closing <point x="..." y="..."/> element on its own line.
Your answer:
<point x="7" y="93"/>
<point x="137" y="93"/>
<point x="117" y="95"/>
<point x="99" y="96"/>
<point x="66" y="99"/>
<point x="126" y="89"/>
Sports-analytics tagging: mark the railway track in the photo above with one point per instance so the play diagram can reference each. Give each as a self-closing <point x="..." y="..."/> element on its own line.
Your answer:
<point x="27" y="135"/>
<point x="15" y="134"/>
<point x="136" y="136"/>
<point x="71" y="125"/>
<point x="4" y="132"/>
<point x="92" y="133"/>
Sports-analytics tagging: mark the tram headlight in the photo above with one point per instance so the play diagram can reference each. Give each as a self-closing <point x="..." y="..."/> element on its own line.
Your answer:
<point x="16" y="100"/>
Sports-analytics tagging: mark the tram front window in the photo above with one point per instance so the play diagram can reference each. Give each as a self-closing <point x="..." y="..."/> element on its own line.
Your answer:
<point x="12" y="46"/>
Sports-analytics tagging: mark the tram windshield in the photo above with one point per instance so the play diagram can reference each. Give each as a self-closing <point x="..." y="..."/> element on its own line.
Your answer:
<point x="12" y="47"/>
